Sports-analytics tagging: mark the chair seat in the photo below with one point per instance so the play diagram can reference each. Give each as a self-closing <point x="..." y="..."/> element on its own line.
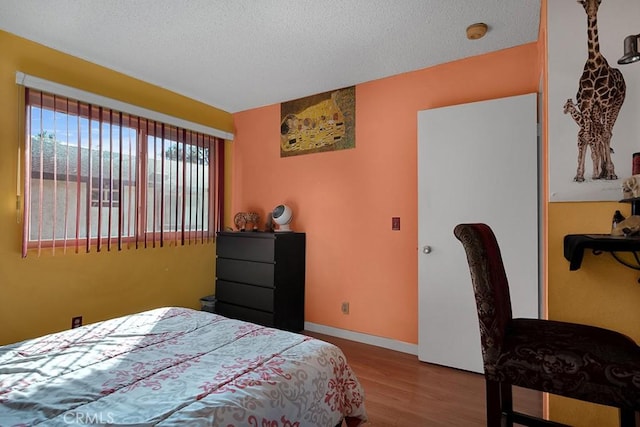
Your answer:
<point x="574" y="360"/>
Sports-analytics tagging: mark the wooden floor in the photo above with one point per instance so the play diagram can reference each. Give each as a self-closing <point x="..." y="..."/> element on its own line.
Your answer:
<point x="402" y="391"/>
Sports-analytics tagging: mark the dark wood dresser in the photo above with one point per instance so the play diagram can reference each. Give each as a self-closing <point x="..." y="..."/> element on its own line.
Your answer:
<point x="260" y="277"/>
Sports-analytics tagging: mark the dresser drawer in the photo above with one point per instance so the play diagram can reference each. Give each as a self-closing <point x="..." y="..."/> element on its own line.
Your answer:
<point x="254" y="273"/>
<point x="245" y="295"/>
<point x="244" y="313"/>
<point x="246" y="247"/>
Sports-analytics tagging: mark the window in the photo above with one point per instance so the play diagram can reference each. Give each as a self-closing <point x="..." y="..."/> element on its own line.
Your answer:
<point x="105" y="197"/>
<point x="99" y="178"/>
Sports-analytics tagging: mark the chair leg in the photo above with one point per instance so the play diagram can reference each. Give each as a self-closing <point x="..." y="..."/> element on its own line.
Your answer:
<point x="506" y="402"/>
<point x="500" y="408"/>
<point x="494" y="409"/>
<point x="627" y="418"/>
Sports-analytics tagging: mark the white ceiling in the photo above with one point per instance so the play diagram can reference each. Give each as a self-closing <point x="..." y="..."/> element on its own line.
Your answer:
<point x="241" y="54"/>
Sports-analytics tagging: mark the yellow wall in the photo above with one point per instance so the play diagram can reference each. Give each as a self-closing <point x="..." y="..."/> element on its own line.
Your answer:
<point x="40" y="294"/>
<point x="601" y="293"/>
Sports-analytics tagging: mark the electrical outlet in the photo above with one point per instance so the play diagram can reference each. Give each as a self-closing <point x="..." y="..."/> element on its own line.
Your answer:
<point x="76" y="322"/>
<point x="345" y="308"/>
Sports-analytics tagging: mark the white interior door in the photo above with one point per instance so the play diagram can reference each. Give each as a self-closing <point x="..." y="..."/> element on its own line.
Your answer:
<point x="477" y="162"/>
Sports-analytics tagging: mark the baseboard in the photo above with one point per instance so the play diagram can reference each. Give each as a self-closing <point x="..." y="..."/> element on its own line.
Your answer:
<point x="388" y="343"/>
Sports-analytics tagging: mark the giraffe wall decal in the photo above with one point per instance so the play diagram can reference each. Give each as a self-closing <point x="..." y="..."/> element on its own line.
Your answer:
<point x="601" y="92"/>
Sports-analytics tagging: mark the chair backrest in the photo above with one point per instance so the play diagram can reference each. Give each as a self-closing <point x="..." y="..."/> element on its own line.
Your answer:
<point x="490" y="286"/>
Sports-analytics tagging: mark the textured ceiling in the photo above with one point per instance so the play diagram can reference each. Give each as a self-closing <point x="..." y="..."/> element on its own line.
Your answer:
<point x="242" y="54"/>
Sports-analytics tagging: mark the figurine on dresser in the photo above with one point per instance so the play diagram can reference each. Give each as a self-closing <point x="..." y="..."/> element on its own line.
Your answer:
<point x="244" y="219"/>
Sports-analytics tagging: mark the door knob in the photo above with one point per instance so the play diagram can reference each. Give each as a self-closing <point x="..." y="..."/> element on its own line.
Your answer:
<point x="426" y="249"/>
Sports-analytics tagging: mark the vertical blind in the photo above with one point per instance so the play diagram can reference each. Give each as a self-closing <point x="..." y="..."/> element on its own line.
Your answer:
<point x="100" y="178"/>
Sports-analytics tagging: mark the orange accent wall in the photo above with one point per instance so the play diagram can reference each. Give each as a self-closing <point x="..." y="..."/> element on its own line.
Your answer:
<point x="344" y="200"/>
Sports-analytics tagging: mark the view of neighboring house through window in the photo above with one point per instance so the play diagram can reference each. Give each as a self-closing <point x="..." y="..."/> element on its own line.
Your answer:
<point x="100" y="178"/>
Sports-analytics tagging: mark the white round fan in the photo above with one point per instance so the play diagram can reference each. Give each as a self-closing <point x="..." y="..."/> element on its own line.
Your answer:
<point x="282" y="215"/>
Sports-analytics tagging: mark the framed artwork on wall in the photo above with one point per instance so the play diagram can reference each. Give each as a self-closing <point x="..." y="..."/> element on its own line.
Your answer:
<point x="317" y="123"/>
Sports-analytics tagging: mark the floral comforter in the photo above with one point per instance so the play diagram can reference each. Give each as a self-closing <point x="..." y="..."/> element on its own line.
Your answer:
<point x="177" y="367"/>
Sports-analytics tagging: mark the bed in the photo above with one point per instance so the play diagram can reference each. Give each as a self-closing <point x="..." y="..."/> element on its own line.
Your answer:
<point x="177" y="367"/>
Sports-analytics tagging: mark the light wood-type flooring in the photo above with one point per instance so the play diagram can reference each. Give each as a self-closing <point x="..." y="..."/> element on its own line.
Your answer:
<point x="402" y="391"/>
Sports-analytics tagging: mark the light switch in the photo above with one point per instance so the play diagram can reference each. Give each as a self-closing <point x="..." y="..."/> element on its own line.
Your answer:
<point x="395" y="223"/>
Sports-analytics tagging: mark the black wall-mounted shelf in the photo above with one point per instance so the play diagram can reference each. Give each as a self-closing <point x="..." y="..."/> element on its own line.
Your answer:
<point x="576" y="244"/>
<point x="635" y="204"/>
